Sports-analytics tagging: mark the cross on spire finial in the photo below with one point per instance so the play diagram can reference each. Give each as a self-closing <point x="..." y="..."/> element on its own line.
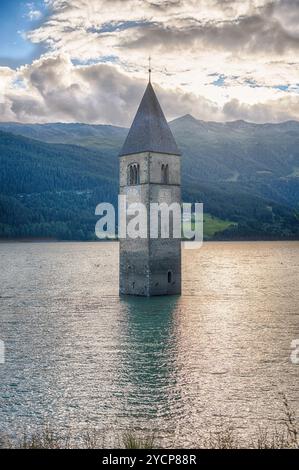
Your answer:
<point x="149" y="68"/>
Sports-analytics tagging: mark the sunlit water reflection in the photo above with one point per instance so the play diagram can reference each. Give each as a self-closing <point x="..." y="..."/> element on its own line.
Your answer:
<point x="79" y="356"/>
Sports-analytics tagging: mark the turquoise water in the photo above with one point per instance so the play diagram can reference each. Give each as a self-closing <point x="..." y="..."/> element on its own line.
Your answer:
<point x="78" y="356"/>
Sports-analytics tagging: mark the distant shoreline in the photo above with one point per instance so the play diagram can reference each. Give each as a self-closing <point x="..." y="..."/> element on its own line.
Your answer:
<point x="48" y="240"/>
<point x="28" y="240"/>
<point x="54" y="240"/>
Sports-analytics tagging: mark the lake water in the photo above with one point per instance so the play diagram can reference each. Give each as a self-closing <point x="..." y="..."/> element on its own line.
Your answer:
<point x="79" y="356"/>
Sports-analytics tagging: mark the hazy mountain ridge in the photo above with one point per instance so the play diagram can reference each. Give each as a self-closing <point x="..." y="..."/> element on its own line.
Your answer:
<point x="235" y="146"/>
<point x="243" y="172"/>
<point x="87" y="135"/>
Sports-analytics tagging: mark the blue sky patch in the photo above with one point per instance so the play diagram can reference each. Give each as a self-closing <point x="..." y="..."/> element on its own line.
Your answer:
<point x="220" y="80"/>
<point x="16" y="17"/>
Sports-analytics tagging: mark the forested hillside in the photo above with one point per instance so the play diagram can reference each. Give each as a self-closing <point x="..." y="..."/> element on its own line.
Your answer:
<point x="246" y="174"/>
<point x="52" y="190"/>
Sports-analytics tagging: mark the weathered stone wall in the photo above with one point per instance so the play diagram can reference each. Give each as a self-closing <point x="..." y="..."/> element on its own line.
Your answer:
<point x="174" y="163"/>
<point x="151" y="266"/>
<point x="125" y="161"/>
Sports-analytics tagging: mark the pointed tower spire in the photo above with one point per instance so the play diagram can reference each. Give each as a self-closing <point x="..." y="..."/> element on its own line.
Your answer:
<point x="150" y="131"/>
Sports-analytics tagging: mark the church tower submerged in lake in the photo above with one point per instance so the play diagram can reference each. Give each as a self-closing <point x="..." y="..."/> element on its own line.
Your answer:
<point x="150" y="172"/>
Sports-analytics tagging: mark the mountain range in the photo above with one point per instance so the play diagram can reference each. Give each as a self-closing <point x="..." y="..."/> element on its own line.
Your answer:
<point x="53" y="176"/>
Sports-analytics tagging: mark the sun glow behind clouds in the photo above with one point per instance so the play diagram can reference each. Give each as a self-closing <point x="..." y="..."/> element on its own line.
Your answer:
<point x="215" y="59"/>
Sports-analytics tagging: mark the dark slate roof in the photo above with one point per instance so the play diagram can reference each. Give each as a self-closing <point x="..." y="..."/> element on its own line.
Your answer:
<point x="150" y="131"/>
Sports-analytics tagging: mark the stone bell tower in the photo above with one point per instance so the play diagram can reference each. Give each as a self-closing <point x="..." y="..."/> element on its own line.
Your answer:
<point x="150" y="172"/>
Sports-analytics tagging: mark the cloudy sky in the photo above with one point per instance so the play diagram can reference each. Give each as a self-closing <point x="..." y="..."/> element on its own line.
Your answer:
<point x="86" y="60"/>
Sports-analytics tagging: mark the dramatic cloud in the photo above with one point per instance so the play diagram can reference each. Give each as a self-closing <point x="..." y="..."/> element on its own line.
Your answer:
<point x="272" y="110"/>
<point x="215" y="59"/>
<point x="52" y="88"/>
<point x="89" y="29"/>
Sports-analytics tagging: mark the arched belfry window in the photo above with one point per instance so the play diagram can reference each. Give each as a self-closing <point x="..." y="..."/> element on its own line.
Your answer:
<point x="133" y="174"/>
<point x="164" y="173"/>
